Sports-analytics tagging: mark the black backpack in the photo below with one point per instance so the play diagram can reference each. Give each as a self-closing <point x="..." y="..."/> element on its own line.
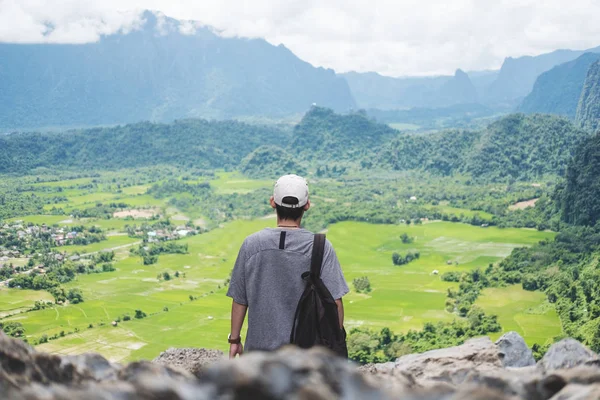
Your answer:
<point x="316" y="322"/>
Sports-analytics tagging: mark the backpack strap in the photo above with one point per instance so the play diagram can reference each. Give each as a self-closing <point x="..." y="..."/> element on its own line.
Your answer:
<point x="317" y="255"/>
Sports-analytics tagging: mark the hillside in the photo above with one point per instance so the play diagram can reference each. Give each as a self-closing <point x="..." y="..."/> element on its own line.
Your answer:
<point x="271" y="162"/>
<point x="525" y="147"/>
<point x="517" y="75"/>
<point x="324" y="135"/>
<point x="558" y="91"/>
<point x="158" y="73"/>
<point x="588" y="110"/>
<point x="201" y="143"/>
<point x="579" y="200"/>
<point x="517" y="146"/>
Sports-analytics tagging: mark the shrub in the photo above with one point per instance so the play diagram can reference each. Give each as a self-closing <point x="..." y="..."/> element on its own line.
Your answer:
<point x="362" y="285"/>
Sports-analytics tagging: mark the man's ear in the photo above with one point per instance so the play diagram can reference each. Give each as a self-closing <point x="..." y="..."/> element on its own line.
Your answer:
<point x="307" y="205"/>
<point x="272" y="201"/>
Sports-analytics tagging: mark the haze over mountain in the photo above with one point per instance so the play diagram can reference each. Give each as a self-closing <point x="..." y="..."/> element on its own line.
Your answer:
<point x="167" y="70"/>
<point x="501" y="90"/>
<point x="372" y="90"/>
<point x="558" y="91"/>
<point x="517" y="75"/>
<point x="160" y="72"/>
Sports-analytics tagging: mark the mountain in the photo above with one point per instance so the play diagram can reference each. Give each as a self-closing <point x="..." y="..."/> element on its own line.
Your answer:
<point x="588" y="110"/>
<point x="458" y="90"/>
<point x="580" y="197"/>
<point x="517" y="75"/>
<point x="558" y="91"/>
<point x="372" y="90"/>
<point x="159" y="73"/>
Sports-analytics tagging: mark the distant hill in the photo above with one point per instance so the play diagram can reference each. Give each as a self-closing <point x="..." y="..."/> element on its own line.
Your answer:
<point x="516" y="146"/>
<point x="517" y="75"/>
<point x="324" y="135"/>
<point x="271" y="162"/>
<point x="194" y="143"/>
<point x="588" y="111"/>
<point x="158" y="73"/>
<point x="524" y="147"/>
<point x="558" y="91"/>
<point x="372" y="90"/>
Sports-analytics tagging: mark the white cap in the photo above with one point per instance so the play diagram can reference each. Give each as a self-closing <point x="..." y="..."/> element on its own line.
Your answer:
<point x="291" y="186"/>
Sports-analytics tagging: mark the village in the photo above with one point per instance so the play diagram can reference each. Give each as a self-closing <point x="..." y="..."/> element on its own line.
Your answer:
<point x="25" y="248"/>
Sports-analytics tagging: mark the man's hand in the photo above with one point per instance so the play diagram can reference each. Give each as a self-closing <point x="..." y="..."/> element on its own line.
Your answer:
<point x="236" y="350"/>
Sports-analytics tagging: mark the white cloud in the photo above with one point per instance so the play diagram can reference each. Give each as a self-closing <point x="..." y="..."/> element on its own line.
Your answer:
<point x="393" y="37"/>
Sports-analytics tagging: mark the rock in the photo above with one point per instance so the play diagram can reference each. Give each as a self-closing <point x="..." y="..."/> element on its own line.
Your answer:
<point x="578" y="392"/>
<point x="472" y="371"/>
<point x="289" y="373"/>
<point x="514" y="352"/>
<point x="188" y="359"/>
<point x="452" y="364"/>
<point x="567" y="353"/>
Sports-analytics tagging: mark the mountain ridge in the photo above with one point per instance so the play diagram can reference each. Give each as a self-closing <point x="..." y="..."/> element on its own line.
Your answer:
<point x="157" y="73"/>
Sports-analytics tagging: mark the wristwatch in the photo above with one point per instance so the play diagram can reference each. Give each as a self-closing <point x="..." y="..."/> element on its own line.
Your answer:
<point x="234" y="341"/>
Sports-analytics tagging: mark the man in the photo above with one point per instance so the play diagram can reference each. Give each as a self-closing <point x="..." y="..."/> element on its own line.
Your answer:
<point x="266" y="280"/>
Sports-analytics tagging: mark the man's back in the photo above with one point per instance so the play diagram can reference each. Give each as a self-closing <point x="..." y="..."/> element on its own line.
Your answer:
<point x="267" y="278"/>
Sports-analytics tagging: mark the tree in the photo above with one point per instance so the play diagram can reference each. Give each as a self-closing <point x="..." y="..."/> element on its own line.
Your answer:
<point x="149" y="260"/>
<point x="139" y="314"/>
<point x="406" y="239"/>
<point x="75" y="296"/>
<point x="166" y="276"/>
<point x="362" y="285"/>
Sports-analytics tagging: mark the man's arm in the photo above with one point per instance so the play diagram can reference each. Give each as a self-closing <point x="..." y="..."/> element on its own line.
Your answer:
<point x="238" y="314"/>
<point x="340" y="308"/>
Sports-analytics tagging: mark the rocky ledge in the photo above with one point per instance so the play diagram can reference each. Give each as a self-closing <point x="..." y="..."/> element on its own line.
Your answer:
<point x="479" y="369"/>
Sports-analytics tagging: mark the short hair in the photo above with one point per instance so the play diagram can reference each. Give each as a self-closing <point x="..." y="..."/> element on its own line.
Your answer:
<point x="288" y="213"/>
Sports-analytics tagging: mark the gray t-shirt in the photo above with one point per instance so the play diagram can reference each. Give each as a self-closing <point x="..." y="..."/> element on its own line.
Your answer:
<point x="268" y="280"/>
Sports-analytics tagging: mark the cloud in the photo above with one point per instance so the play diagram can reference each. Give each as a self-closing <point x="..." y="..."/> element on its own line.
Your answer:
<point x="408" y="37"/>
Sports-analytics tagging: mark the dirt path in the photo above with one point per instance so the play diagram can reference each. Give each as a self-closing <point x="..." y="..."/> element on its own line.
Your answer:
<point x="523" y="204"/>
<point x="112" y="249"/>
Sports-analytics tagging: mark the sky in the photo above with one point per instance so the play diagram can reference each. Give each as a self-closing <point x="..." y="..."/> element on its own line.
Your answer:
<point x="392" y="37"/>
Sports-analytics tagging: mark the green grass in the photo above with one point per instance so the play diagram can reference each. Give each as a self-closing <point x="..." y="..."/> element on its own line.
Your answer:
<point x="403" y="298"/>
<point x="461" y="211"/>
<point x="14" y="301"/>
<point x="46" y="219"/>
<point x="110" y="243"/>
<point x="527" y="313"/>
<point x="234" y="182"/>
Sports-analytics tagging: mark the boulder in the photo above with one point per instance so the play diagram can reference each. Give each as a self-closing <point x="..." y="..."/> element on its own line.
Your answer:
<point x="452" y="364"/>
<point x="514" y="352"/>
<point x="189" y="359"/>
<point x="289" y="373"/>
<point x="567" y="353"/>
<point x="578" y="392"/>
<point x="473" y="371"/>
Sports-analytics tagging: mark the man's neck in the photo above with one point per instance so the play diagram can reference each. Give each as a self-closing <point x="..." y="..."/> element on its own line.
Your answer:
<point x="288" y="223"/>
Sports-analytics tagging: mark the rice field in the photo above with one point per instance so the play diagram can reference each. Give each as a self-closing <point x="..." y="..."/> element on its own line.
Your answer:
<point x="403" y="297"/>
